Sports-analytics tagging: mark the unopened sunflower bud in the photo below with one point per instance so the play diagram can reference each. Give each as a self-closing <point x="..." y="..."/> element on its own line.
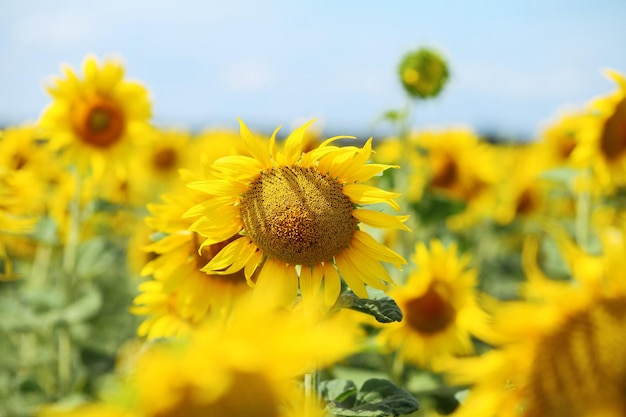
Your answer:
<point x="423" y="73"/>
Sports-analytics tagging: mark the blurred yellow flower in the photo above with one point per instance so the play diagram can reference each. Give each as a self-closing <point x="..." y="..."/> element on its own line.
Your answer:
<point x="560" y="138"/>
<point x="180" y="294"/>
<point x="560" y="350"/>
<point x="603" y="143"/>
<point x="439" y="303"/>
<point x="249" y="364"/>
<point x="458" y="163"/>
<point x="96" y="119"/>
<point x="523" y="194"/>
<point x="294" y="208"/>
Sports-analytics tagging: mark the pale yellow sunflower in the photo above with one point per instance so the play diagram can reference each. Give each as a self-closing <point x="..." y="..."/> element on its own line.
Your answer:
<point x="277" y="212"/>
<point x="603" y="143"/>
<point x="248" y="365"/>
<point x="95" y="119"/>
<point x="439" y="303"/>
<point x="155" y="167"/>
<point x="23" y="193"/>
<point x="560" y="351"/>
<point x="524" y="194"/>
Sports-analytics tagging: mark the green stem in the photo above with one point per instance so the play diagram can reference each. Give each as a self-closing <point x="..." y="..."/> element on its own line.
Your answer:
<point x="311" y="382"/>
<point x="397" y="369"/>
<point x="583" y="213"/>
<point x="64" y="364"/>
<point x="70" y="254"/>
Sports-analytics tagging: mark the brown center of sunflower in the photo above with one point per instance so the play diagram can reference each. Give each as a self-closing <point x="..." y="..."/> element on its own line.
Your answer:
<point x="98" y="121"/>
<point x="566" y="146"/>
<point x="445" y="172"/>
<point x="613" y="140"/>
<point x="165" y="159"/>
<point x="430" y="313"/>
<point x="18" y="161"/>
<point x="526" y="202"/>
<point x="298" y="215"/>
<point x="581" y="364"/>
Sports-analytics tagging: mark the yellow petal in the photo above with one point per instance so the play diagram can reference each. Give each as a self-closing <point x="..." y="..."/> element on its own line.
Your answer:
<point x="219" y="187"/>
<point x="381" y="220"/>
<point x="252" y="265"/>
<point x="256" y="148"/>
<point x="277" y="283"/>
<point x="332" y="283"/>
<point x="310" y="282"/>
<point x="293" y="144"/>
<point x="350" y="276"/>
<point x="238" y="166"/>
<point x="366" y="194"/>
<point x="363" y="240"/>
<point x="366" y="172"/>
<point x="224" y="258"/>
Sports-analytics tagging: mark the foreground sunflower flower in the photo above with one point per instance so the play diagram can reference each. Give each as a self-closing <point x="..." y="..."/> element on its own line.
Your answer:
<point x="96" y="118"/>
<point x="281" y="210"/>
<point x="559" y="351"/>
<point x="248" y="365"/>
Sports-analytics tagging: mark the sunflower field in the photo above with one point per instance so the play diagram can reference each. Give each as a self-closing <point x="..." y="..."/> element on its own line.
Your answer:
<point x="148" y="271"/>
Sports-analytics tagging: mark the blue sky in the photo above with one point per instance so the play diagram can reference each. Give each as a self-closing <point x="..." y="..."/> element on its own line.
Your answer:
<point x="514" y="64"/>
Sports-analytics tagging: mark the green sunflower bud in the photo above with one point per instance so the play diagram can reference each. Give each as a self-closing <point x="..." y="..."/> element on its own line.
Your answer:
<point x="423" y="73"/>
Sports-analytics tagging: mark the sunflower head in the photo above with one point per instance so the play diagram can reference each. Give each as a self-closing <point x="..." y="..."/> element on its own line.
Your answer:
<point x="296" y="209"/>
<point x="439" y="305"/>
<point x="602" y="144"/>
<point x="96" y="115"/>
<point x="423" y="73"/>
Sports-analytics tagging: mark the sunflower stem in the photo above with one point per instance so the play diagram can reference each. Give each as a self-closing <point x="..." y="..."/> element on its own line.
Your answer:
<point x="70" y="254"/>
<point x="583" y="212"/>
<point x="397" y="369"/>
<point x="311" y="381"/>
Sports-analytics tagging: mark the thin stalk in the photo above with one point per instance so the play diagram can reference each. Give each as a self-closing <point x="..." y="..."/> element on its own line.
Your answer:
<point x="311" y="392"/>
<point x="70" y="254"/>
<point x="583" y="213"/>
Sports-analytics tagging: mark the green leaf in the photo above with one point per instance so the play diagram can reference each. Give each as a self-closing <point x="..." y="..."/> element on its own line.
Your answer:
<point x="394" y="115"/>
<point x="376" y="398"/>
<point x="384" y="310"/>
<point x="340" y="391"/>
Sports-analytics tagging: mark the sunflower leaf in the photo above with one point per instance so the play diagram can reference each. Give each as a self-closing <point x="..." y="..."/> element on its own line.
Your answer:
<point x="376" y="398"/>
<point x="384" y="310"/>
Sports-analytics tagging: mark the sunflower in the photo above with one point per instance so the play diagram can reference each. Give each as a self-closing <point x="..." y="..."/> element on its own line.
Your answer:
<point x="456" y="164"/>
<point x="23" y="193"/>
<point x="156" y="167"/>
<point x="236" y="367"/>
<point x="560" y="350"/>
<point x="524" y="195"/>
<point x="95" y="120"/>
<point x="560" y="138"/>
<point x="603" y="143"/>
<point x="179" y="294"/>
<point x="439" y="303"/>
<point x="277" y="212"/>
